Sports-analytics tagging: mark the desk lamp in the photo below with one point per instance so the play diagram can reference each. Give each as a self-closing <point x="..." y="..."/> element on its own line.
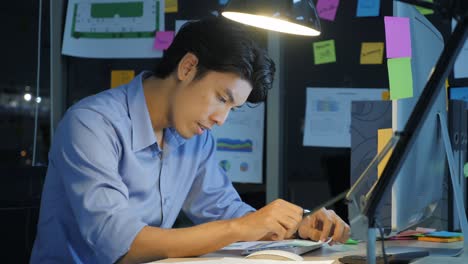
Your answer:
<point x="298" y="17"/>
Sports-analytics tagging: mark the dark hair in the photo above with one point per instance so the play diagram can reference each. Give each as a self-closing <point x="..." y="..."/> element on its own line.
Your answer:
<point x="221" y="46"/>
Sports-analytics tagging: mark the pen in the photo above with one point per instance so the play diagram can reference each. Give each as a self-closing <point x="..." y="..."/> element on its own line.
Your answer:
<point x="325" y="204"/>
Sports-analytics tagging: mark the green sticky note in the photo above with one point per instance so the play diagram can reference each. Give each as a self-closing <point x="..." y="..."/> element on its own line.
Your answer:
<point x="425" y="11"/>
<point x="324" y="52"/>
<point x="400" y="77"/>
<point x="465" y="170"/>
<point x="351" y="241"/>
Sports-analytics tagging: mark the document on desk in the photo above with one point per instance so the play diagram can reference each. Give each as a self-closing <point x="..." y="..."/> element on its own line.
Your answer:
<point x="298" y="246"/>
<point x="253" y="261"/>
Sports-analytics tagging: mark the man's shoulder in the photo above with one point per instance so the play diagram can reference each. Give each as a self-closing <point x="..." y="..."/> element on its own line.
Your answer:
<point x="110" y="105"/>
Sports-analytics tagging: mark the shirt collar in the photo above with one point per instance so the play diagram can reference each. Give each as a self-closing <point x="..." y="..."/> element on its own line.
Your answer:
<point x="142" y="130"/>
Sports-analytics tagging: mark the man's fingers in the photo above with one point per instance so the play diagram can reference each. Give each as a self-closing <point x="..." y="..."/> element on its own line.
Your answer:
<point x="279" y="232"/>
<point x="327" y="227"/>
<point x="289" y="224"/>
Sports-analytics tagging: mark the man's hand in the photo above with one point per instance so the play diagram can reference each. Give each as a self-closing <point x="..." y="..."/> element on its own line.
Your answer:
<point x="322" y="225"/>
<point x="276" y="221"/>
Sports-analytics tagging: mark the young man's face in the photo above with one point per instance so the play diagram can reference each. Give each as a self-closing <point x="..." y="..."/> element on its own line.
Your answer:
<point x="200" y="104"/>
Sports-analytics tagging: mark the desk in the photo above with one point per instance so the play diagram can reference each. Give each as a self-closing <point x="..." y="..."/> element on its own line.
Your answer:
<point x="337" y="251"/>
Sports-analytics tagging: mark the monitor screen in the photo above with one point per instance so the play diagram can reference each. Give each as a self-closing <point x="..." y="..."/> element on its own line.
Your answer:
<point x="418" y="189"/>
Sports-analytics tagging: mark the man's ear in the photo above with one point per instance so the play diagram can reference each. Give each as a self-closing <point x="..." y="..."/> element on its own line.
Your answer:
<point x="187" y="66"/>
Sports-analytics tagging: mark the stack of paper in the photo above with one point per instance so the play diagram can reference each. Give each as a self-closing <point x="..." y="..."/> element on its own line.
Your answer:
<point x="442" y="237"/>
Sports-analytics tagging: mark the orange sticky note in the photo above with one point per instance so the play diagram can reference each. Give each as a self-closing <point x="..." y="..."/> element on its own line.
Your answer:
<point x="383" y="137"/>
<point x="119" y="77"/>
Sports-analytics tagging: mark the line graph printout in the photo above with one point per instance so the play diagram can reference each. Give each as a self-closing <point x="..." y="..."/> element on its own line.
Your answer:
<point x="113" y="28"/>
<point x="328" y="114"/>
<point x="239" y="144"/>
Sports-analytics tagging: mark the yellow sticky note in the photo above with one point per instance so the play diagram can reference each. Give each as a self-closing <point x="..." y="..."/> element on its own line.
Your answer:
<point x="324" y="52"/>
<point x="119" y="77"/>
<point x="383" y="137"/>
<point x="372" y="52"/>
<point x="171" y="6"/>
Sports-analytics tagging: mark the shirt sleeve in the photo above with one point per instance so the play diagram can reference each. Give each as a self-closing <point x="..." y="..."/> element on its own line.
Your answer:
<point x="212" y="196"/>
<point x="86" y="154"/>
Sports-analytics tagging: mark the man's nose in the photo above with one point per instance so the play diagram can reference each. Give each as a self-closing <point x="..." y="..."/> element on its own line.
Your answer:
<point x="219" y="117"/>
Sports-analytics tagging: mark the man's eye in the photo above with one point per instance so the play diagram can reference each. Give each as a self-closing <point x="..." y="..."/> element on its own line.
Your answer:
<point x="221" y="99"/>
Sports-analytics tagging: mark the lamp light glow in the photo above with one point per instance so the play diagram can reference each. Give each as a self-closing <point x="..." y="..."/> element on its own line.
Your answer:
<point x="298" y="17"/>
<point x="271" y="24"/>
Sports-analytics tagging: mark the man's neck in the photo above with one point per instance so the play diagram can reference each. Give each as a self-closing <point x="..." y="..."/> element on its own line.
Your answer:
<point x="157" y="96"/>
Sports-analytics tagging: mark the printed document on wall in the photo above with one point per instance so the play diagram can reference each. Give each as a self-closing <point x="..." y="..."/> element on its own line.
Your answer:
<point x="239" y="144"/>
<point x="113" y="28"/>
<point x="328" y="114"/>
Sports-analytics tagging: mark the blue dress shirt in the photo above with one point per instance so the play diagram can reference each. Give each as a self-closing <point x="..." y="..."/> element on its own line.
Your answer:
<point x="108" y="178"/>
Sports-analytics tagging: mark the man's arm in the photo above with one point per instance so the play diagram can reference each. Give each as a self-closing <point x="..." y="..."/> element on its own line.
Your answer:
<point x="277" y="220"/>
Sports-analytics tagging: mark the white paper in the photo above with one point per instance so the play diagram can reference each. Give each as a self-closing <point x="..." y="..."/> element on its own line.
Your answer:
<point x="250" y="261"/>
<point x="460" y="68"/>
<point x="328" y="114"/>
<point x="239" y="144"/>
<point x="80" y="21"/>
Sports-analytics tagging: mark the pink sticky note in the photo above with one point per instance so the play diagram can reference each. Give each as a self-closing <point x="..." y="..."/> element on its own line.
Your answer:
<point x="326" y="9"/>
<point x="163" y="40"/>
<point x="397" y="37"/>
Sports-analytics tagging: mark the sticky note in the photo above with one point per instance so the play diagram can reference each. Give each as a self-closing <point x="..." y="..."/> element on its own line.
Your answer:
<point x="324" y="52"/>
<point x="171" y="6"/>
<point x="372" y="52"/>
<point x="368" y="8"/>
<point x="351" y="241"/>
<point x="425" y="11"/>
<point x="163" y="40"/>
<point x="400" y="78"/>
<point x="383" y="137"/>
<point x="119" y="77"/>
<point x="385" y="95"/>
<point x="397" y="37"/>
<point x="326" y="9"/>
<point x="444" y="234"/>
<point x="222" y="2"/>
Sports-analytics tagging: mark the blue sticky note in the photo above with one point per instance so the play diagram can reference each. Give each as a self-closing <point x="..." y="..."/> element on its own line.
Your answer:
<point x="222" y="2"/>
<point x="444" y="234"/>
<point x="368" y="8"/>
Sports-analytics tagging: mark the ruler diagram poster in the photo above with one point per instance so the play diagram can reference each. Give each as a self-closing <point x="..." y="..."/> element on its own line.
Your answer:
<point x="113" y="28"/>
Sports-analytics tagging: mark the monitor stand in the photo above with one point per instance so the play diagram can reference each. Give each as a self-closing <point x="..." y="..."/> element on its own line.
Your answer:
<point x="462" y="254"/>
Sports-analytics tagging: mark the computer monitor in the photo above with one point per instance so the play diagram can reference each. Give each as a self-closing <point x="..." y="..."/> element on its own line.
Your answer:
<point x="424" y="142"/>
<point x="418" y="187"/>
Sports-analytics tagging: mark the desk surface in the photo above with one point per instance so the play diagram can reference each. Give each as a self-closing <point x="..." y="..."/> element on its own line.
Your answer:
<point x="337" y="251"/>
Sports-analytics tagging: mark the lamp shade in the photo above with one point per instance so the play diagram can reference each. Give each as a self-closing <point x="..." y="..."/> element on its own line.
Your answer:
<point x="297" y="17"/>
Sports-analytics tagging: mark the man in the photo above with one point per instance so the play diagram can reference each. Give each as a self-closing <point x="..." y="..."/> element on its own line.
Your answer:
<point x="124" y="162"/>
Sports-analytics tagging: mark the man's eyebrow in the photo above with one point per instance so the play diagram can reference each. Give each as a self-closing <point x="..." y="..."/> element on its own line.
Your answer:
<point x="230" y="96"/>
